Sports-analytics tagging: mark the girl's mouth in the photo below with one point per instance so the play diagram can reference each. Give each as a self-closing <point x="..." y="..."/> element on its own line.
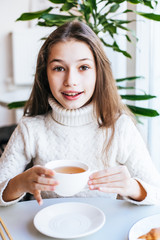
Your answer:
<point x="72" y="95"/>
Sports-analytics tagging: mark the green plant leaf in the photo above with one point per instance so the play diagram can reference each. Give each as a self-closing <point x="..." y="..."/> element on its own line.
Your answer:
<point x="19" y="104"/>
<point x="128" y="10"/>
<point x="150" y="16"/>
<point x="128" y="78"/>
<point x="135" y="1"/>
<point x="148" y="3"/>
<point x="109" y="27"/>
<point x="85" y="10"/>
<point x="119" y="22"/>
<point x="73" y="1"/>
<point x="117" y="1"/>
<point x="33" y="15"/>
<point x="114" y="8"/>
<point x="120" y="87"/>
<point x="128" y="38"/>
<point x="55" y="19"/>
<point x="146" y="112"/>
<point x="145" y="2"/>
<point x="93" y="4"/>
<point x="57" y="1"/>
<point x="67" y="6"/>
<point x="134" y="97"/>
<point x="48" y="24"/>
<point x="116" y="48"/>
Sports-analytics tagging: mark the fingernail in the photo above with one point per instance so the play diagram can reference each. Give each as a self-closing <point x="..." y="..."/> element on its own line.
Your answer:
<point x="40" y="202"/>
<point x="91" y="187"/>
<point x="52" y="172"/>
<point x="89" y="182"/>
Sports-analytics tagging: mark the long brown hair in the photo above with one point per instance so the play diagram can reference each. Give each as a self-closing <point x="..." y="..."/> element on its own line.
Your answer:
<point x="107" y="102"/>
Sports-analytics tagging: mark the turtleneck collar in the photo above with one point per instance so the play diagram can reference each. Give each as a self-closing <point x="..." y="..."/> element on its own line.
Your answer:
<point x="74" y="117"/>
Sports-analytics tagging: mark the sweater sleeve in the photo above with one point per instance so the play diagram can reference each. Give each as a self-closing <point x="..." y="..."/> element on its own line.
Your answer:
<point x="135" y="156"/>
<point x="14" y="159"/>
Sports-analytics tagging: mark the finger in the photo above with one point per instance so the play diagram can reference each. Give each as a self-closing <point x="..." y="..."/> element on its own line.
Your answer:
<point x="107" y="179"/>
<point x="37" y="195"/>
<point x="47" y="181"/>
<point x="44" y="171"/>
<point x="105" y="189"/>
<point x="105" y="172"/>
<point x="107" y="185"/>
<point x="43" y="187"/>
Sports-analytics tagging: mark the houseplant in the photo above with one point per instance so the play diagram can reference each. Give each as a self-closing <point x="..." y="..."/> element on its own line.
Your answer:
<point x="103" y="17"/>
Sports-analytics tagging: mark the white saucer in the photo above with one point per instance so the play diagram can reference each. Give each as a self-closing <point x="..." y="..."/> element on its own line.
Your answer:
<point x="143" y="226"/>
<point x="69" y="220"/>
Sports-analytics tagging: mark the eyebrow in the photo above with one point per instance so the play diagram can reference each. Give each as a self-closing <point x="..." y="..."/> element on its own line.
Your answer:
<point x="79" y="60"/>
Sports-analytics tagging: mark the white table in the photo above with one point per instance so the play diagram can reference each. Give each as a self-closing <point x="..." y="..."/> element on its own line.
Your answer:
<point x="120" y="216"/>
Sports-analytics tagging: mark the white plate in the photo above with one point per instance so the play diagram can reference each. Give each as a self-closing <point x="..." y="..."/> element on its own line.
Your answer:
<point x="143" y="226"/>
<point x="69" y="220"/>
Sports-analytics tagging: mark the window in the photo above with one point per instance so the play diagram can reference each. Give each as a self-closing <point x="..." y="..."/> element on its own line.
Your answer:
<point x="148" y="65"/>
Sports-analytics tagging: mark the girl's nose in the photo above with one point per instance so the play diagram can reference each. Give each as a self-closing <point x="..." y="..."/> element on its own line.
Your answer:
<point x="70" y="78"/>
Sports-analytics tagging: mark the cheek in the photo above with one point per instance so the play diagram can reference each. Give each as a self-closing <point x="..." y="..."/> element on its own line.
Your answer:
<point x="53" y="86"/>
<point x="53" y="82"/>
<point x="91" y="82"/>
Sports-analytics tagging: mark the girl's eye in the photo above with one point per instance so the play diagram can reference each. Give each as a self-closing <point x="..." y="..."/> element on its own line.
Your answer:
<point x="58" y="69"/>
<point x="84" y="67"/>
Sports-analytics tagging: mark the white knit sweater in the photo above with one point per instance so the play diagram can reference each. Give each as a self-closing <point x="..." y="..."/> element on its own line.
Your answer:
<point x="74" y="134"/>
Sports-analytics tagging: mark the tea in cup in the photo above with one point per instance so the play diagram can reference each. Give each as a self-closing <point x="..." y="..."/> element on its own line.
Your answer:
<point x="71" y="175"/>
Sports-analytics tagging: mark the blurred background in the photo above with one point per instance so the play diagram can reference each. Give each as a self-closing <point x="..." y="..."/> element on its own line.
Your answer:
<point x="19" y="45"/>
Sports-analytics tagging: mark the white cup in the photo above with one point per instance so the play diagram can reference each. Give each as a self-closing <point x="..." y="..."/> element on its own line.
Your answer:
<point x="69" y="184"/>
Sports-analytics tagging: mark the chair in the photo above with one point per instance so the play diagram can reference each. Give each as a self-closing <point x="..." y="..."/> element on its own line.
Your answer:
<point x="5" y="133"/>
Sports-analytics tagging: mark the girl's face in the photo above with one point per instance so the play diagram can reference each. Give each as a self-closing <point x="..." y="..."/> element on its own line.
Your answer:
<point x="71" y="73"/>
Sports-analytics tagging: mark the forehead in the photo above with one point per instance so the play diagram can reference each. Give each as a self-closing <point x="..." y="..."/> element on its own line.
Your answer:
<point x="71" y="49"/>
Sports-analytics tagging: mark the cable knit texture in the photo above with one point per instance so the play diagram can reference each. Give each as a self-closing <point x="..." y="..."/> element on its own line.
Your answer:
<point x="75" y="135"/>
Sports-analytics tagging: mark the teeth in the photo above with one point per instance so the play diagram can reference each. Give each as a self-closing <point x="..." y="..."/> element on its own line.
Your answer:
<point x="71" y="94"/>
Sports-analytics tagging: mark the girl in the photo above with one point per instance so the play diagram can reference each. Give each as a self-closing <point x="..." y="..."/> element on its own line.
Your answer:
<point x="75" y="112"/>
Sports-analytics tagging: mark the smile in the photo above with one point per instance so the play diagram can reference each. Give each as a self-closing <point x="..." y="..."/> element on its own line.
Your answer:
<point x="72" y="95"/>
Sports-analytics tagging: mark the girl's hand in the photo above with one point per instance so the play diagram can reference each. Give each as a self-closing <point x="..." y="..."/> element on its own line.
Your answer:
<point x="117" y="180"/>
<point x="37" y="179"/>
<point x="33" y="180"/>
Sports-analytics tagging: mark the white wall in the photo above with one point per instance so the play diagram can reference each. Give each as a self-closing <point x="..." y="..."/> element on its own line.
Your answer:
<point x="10" y="11"/>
